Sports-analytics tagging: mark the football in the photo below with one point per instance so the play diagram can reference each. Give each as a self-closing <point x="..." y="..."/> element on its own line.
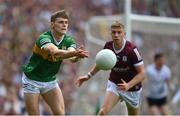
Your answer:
<point x="105" y="59"/>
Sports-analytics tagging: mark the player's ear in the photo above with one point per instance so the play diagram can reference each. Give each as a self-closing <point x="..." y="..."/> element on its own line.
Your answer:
<point x="124" y="33"/>
<point x="52" y="25"/>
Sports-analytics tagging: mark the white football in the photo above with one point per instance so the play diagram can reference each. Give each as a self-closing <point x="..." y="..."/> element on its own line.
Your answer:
<point x="106" y="59"/>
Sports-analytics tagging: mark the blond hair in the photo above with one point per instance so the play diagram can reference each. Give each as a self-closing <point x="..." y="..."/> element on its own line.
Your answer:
<point x="117" y="24"/>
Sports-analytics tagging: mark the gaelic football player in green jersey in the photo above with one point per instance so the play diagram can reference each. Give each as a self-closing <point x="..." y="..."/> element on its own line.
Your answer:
<point x="39" y="73"/>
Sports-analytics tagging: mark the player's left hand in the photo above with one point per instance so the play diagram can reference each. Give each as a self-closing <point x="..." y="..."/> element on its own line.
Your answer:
<point x="123" y="86"/>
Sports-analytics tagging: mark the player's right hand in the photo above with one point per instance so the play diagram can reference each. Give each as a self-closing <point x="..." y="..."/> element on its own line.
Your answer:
<point x="81" y="53"/>
<point x="81" y="80"/>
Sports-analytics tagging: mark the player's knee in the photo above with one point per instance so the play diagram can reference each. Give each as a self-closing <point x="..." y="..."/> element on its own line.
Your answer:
<point x="33" y="111"/>
<point x="102" y="112"/>
<point x="164" y="110"/>
<point x="59" y="110"/>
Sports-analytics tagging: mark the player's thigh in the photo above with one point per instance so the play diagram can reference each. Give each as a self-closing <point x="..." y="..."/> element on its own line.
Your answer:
<point x="32" y="103"/>
<point x="153" y="110"/>
<point x="110" y="100"/>
<point x="163" y="107"/>
<point x="154" y="104"/>
<point x="132" y="110"/>
<point x="54" y="99"/>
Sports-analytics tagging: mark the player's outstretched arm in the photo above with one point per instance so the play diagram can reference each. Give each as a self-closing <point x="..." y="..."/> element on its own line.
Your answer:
<point x="75" y="58"/>
<point x="64" y="54"/>
<point x="84" y="78"/>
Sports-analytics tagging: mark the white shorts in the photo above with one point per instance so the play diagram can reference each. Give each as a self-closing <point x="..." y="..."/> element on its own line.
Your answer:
<point x="131" y="97"/>
<point x="31" y="86"/>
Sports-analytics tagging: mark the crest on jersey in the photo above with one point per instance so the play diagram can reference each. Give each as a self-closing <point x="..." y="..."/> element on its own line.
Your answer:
<point x="124" y="58"/>
<point x="64" y="47"/>
<point x="44" y="41"/>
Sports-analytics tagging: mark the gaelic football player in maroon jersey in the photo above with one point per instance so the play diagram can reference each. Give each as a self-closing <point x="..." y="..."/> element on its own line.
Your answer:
<point x="126" y="76"/>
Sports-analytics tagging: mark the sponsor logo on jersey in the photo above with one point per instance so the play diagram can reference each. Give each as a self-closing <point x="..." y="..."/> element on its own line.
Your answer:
<point x="117" y="69"/>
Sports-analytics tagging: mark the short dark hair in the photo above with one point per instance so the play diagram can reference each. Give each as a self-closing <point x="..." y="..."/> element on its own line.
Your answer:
<point x="60" y="13"/>
<point x="158" y="55"/>
<point x="117" y="24"/>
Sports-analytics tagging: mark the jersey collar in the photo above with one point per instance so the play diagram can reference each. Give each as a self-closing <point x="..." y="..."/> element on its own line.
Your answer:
<point x="56" y="42"/>
<point x="117" y="51"/>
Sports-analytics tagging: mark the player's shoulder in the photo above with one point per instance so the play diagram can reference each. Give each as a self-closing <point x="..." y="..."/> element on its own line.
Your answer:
<point x="109" y="43"/>
<point x="150" y="67"/>
<point x="166" y="68"/>
<point x="68" y="37"/>
<point x="46" y="34"/>
<point x="45" y="37"/>
<point x="129" y="45"/>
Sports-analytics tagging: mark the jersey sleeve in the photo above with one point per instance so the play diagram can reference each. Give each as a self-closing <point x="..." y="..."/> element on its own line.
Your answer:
<point x="168" y="74"/>
<point x="42" y="41"/>
<point x="135" y="57"/>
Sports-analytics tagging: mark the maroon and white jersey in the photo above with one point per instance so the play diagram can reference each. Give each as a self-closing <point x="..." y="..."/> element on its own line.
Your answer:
<point x="128" y="58"/>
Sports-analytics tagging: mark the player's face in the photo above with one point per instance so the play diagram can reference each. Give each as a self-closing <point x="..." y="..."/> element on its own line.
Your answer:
<point x="60" y="25"/>
<point x="117" y="33"/>
<point x="161" y="61"/>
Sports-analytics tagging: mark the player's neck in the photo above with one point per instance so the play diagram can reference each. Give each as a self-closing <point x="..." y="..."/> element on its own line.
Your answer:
<point x="158" y="67"/>
<point x="57" y="36"/>
<point x="118" y="44"/>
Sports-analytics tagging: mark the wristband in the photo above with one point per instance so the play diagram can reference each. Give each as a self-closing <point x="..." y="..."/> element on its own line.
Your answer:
<point x="89" y="74"/>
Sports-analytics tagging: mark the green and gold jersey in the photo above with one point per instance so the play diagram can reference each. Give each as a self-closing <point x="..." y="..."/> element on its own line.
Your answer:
<point x="42" y="66"/>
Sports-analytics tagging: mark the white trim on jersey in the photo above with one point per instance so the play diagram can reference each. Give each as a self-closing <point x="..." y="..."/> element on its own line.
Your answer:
<point x="139" y="63"/>
<point x="44" y="41"/>
<point x="137" y="54"/>
<point x="71" y="48"/>
<point x="57" y="43"/>
<point x="45" y="45"/>
<point x="117" y="51"/>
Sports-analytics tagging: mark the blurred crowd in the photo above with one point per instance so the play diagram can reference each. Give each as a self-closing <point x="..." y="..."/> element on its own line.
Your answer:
<point x="22" y="21"/>
<point x="167" y="8"/>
